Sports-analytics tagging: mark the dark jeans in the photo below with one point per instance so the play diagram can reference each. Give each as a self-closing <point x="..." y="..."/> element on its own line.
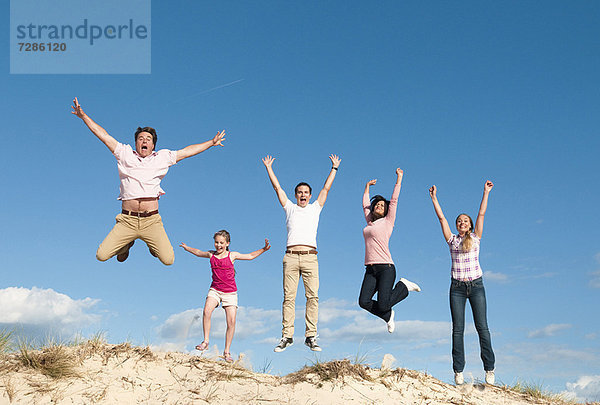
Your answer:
<point x="474" y="291"/>
<point x="380" y="278"/>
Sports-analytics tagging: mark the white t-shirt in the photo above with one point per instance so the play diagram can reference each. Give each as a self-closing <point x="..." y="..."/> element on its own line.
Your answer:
<point x="140" y="177"/>
<point x="302" y="223"/>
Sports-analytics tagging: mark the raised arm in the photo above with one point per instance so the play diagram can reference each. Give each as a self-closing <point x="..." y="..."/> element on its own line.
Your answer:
<point x="193" y="150"/>
<point x="268" y="161"/>
<point x="366" y="201"/>
<point x="335" y="163"/>
<point x="109" y="141"/>
<point x="482" y="208"/>
<point x="250" y="256"/>
<point x="195" y="251"/>
<point x="438" y="210"/>
<point x="391" y="215"/>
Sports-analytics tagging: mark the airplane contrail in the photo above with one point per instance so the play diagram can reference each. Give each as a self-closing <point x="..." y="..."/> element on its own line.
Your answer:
<point x="207" y="91"/>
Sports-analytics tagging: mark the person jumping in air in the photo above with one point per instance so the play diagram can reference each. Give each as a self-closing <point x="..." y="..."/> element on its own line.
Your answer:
<point x="300" y="259"/>
<point x="223" y="289"/>
<point x="467" y="283"/>
<point x="380" y="272"/>
<point x="140" y="172"/>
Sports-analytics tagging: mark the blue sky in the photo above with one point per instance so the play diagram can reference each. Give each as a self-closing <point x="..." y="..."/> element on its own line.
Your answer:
<point x="452" y="93"/>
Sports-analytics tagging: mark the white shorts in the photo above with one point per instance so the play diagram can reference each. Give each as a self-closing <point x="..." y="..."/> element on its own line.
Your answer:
<point x="225" y="299"/>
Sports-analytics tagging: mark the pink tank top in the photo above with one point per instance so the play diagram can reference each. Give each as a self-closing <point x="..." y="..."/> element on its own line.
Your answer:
<point x="223" y="274"/>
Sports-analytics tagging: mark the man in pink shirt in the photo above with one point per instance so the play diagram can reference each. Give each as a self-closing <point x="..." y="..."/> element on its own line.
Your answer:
<point x="140" y="173"/>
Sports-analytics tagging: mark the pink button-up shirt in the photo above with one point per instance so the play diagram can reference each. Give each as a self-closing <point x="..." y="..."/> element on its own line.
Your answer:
<point x="140" y="177"/>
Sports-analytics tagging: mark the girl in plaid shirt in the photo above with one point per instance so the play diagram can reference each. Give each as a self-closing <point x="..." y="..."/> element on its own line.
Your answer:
<point x="467" y="283"/>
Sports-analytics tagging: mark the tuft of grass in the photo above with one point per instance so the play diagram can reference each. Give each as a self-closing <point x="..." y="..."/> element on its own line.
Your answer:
<point x="265" y="367"/>
<point x="330" y="371"/>
<point x="537" y="391"/>
<point x="6" y="341"/>
<point x="55" y="360"/>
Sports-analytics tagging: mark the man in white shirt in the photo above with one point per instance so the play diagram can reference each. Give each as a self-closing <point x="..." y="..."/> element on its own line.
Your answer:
<point x="140" y="173"/>
<point x="300" y="260"/>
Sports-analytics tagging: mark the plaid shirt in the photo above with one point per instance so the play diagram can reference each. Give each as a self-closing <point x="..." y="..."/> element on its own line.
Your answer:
<point x="465" y="265"/>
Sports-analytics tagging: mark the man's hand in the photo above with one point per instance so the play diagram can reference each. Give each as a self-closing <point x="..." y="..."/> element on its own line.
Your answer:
<point x="219" y="138"/>
<point x="335" y="161"/>
<point x="268" y="161"/>
<point x="77" y="110"/>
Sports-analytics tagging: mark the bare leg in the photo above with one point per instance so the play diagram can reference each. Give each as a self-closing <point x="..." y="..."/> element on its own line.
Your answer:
<point x="230" y="313"/>
<point x="209" y="307"/>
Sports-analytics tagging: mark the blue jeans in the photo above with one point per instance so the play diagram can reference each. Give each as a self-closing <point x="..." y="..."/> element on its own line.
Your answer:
<point x="380" y="278"/>
<point x="474" y="291"/>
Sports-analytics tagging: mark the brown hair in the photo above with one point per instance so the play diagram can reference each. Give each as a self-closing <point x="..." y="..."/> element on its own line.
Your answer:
<point x="467" y="242"/>
<point x="224" y="234"/>
<point x="150" y="130"/>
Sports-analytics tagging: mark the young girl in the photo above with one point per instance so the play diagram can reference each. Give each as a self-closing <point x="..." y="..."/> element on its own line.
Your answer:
<point x="223" y="289"/>
<point x="380" y="273"/>
<point x="467" y="283"/>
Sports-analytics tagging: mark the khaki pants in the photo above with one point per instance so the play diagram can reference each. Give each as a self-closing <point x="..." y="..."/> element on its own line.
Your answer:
<point x="294" y="266"/>
<point x="129" y="228"/>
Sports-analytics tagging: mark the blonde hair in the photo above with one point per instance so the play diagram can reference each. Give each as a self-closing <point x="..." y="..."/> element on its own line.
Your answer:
<point x="467" y="242"/>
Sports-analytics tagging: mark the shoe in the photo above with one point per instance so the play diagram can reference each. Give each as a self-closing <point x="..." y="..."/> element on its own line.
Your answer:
<point x="227" y="357"/>
<point x="284" y="343"/>
<point x="459" y="379"/>
<point x="311" y="342"/>
<point x="391" y="325"/>
<point x="121" y="257"/>
<point x="202" y="346"/>
<point x="490" y="377"/>
<point x="410" y="285"/>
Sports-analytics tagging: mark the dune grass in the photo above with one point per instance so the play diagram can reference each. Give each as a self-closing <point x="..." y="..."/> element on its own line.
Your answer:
<point x="537" y="391"/>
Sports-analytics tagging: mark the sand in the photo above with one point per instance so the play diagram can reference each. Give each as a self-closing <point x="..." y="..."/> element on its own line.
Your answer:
<point x="121" y="374"/>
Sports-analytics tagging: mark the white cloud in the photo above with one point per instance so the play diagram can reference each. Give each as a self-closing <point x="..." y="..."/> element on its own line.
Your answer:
<point x="494" y="276"/>
<point x="586" y="388"/>
<point x="188" y="324"/>
<point x="42" y="312"/>
<point x="549" y="330"/>
<point x="359" y="324"/>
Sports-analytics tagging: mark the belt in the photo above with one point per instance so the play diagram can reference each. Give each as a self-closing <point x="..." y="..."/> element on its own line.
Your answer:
<point x="302" y="252"/>
<point x="139" y="214"/>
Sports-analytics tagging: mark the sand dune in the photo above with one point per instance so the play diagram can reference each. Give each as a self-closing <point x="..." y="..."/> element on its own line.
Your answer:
<point x="96" y="372"/>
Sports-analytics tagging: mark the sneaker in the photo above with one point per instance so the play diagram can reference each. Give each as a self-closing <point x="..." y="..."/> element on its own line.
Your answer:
<point x="391" y="325"/>
<point x="311" y="342"/>
<point x="121" y="257"/>
<point x="410" y="285"/>
<point x="459" y="379"/>
<point x="490" y="378"/>
<point x="284" y="343"/>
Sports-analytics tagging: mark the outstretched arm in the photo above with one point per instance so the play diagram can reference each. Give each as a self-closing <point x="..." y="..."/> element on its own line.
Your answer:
<point x="268" y="162"/>
<point x="195" y="251"/>
<point x="109" y="141"/>
<point x="482" y="208"/>
<point x="193" y="150"/>
<point x="438" y="210"/>
<point x="367" y="198"/>
<point x="335" y="163"/>
<point x="250" y="256"/>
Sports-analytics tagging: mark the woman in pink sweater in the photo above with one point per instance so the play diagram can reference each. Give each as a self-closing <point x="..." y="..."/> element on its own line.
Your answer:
<point x="380" y="273"/>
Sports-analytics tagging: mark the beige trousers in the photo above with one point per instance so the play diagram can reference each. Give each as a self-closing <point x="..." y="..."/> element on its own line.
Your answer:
<point x="129" y="228"/>
<point x="294" y="267"/>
